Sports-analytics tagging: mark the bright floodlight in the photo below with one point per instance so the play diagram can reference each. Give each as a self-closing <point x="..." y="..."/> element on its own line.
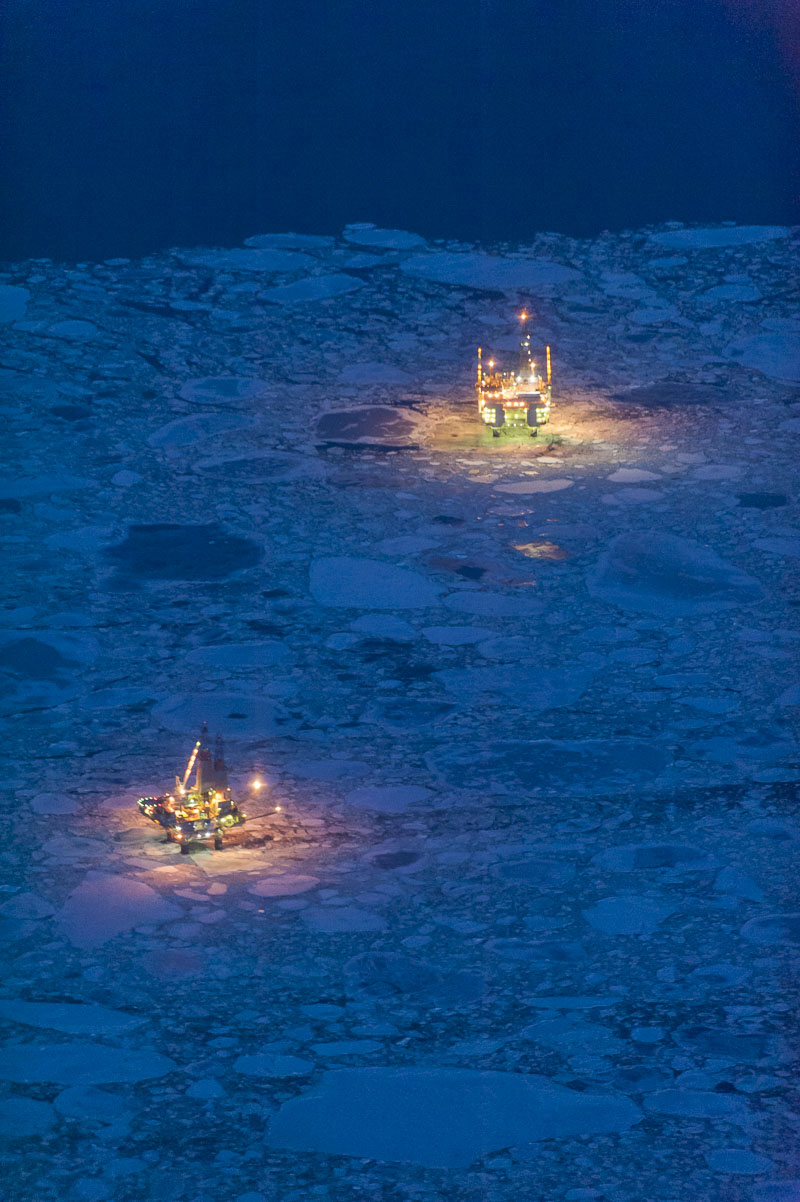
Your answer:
<point x="257" y="784"/>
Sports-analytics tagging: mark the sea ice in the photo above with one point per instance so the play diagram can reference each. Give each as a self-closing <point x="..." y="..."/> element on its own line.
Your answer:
<point x="287" y="884"/>
<point x="336" y="920"/>
<point x="387" y="799"/>
<point x="455" y="636"/>
<point x="738" y="1160"/>
<point x="776" y="355"/>
<point x="272" y="1065"/>
<point x="594" y="765"/>
<point x="365" y="235"/>
<point x="773" y="929"/>
<point x="530" y="688"/>
<point x="238" y="715"/>
<point x="81" y="1064"/>
<point x="329" y="770"/>
<point x="367" y="426"/>
<point x="21" y="1118"/>
<point x="13" y="302"/>
<point x="74" y="1018"/>
<point x="104" y="906"/>
<point x="384" y="626"/>
<point x="495" y="272"/>
<point x="696" y="1104"/>
<point x="188" y="430"/>
<point x="269" y="654"/>
<point x="712" y="237"/>
<point x="222" y="390"/>
<point x="629" y="915"/>
<point x="315" y="288"/>
<point x="368" y="584"/>
<point x="373" y="374"/>
<point x="651" y="856"/>
<point x="526" y="487"/>
<point x="252" y="259"/>
<point x="440" y="1117"/>
<point x="494" y="605"/>
<point x="290" y="241"/>
<point x="733" y="292"/>
<point x="663" y="574"/>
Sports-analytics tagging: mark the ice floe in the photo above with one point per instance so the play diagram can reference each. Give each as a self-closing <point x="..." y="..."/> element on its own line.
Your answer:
<point x="474" y="269"/>
<point x="355" y="583"/>
<point x="315" y="288"/>
<point x="665" y="574"/>
<point x="711" y="237"/>
<point x="439" y="1117"/>
<point x="104" y="906"/>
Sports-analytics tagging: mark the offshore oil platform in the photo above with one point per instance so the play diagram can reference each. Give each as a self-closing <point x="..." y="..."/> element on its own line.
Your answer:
<point x="515" y="400"/>
<point x="201" y="812"/>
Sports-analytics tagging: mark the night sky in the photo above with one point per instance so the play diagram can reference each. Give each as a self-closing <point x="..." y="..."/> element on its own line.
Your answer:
<point x="138" y="125"/>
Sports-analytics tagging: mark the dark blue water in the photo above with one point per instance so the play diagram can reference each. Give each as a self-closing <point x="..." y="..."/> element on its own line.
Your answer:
<point x="139" y="124"/>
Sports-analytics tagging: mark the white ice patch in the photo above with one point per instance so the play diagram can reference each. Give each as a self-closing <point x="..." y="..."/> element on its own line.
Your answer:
<point x="494" y="605"/>
<point x="73" y="1018"/>
<point x="652" y="572"/>
<point x="81" y="1064"/>
<point x="13" y="302"/>
<point x="104" y="906"/>
<point x="387" y="799"/>
<point x="384" y="626"/>
<point x="222" y="390"/>
<point x="456" y="636"/>
<point x="739" y="1161"/>
<point x="528" y="487"/>
<point x="474" y="269"/>
<point x="241" y="655"/>
<point x="373" y="374"/>
<point x="252" y="259"/>
<point x="632" y="475"/>
<point x="440" y="1117"/>
<point x="328" y="770"/>
<point x="290" y="241"/>
<point x="366" y="235"/>
<point x="341" y="920"/>
<point x="733" y="292"/>
<point x="287" y="884"/>
<point x="629" y="915"/>
<point x="530" y="688"/>
<point x="367" y="584"/>
<point x="776" y="355"/>
<point x="316" y="288"/>
<point x="710" y="238"/>
<point x="188" y="430"/>
<point x="273" y="1065"/>
<point x="234" y="715"/>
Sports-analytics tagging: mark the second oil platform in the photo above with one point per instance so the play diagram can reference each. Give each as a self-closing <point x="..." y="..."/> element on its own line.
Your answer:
<point x="515" y="400"/>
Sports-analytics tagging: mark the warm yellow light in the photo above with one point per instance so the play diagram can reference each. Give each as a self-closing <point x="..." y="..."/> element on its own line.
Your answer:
<point x="256" y="784"/>
<point x="278" y="809"/>
<point x="523" y="316"/>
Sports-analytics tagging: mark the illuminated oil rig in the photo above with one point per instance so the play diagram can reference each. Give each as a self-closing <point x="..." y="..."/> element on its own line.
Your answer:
<point x="204" y="811"/>
<point x="515" y="400"/>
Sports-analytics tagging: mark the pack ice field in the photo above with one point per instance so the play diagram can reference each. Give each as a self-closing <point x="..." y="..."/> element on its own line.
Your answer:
<point x="490" y="893"/>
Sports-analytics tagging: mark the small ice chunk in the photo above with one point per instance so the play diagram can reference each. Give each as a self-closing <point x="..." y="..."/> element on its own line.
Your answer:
<point x="219" y="390"/>
<point x="706" y="238"/>
<point x="384" y="626"/>
<point x="21" y="1118"/>
<point x="13" y="302"/>
<point x="287" y="884"/>
<point x="272" y="1065"/>
<point x="776" y="354"/>
<point x="456" y="636"/>
<point x="696" y="1104"/>
<point x="632" y="475"/>
<point x="738" y="1160"/>
<point x="81" y="1064"/>
<point x="105" y="906"/>
<point x="74" y="1018"/>
<point x="440" y="1117"/>
<point x="336" y="920"/>
<point x="474" y="269"/>
<point x="251" y="259"/>
<point x="315" y="288"/>
<point x="629" y="915"/>
<point x="526" y="487"/>
<point x="387" y="799"/>
<point x="364" y="235"/>
<point x="369" y="584"/>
